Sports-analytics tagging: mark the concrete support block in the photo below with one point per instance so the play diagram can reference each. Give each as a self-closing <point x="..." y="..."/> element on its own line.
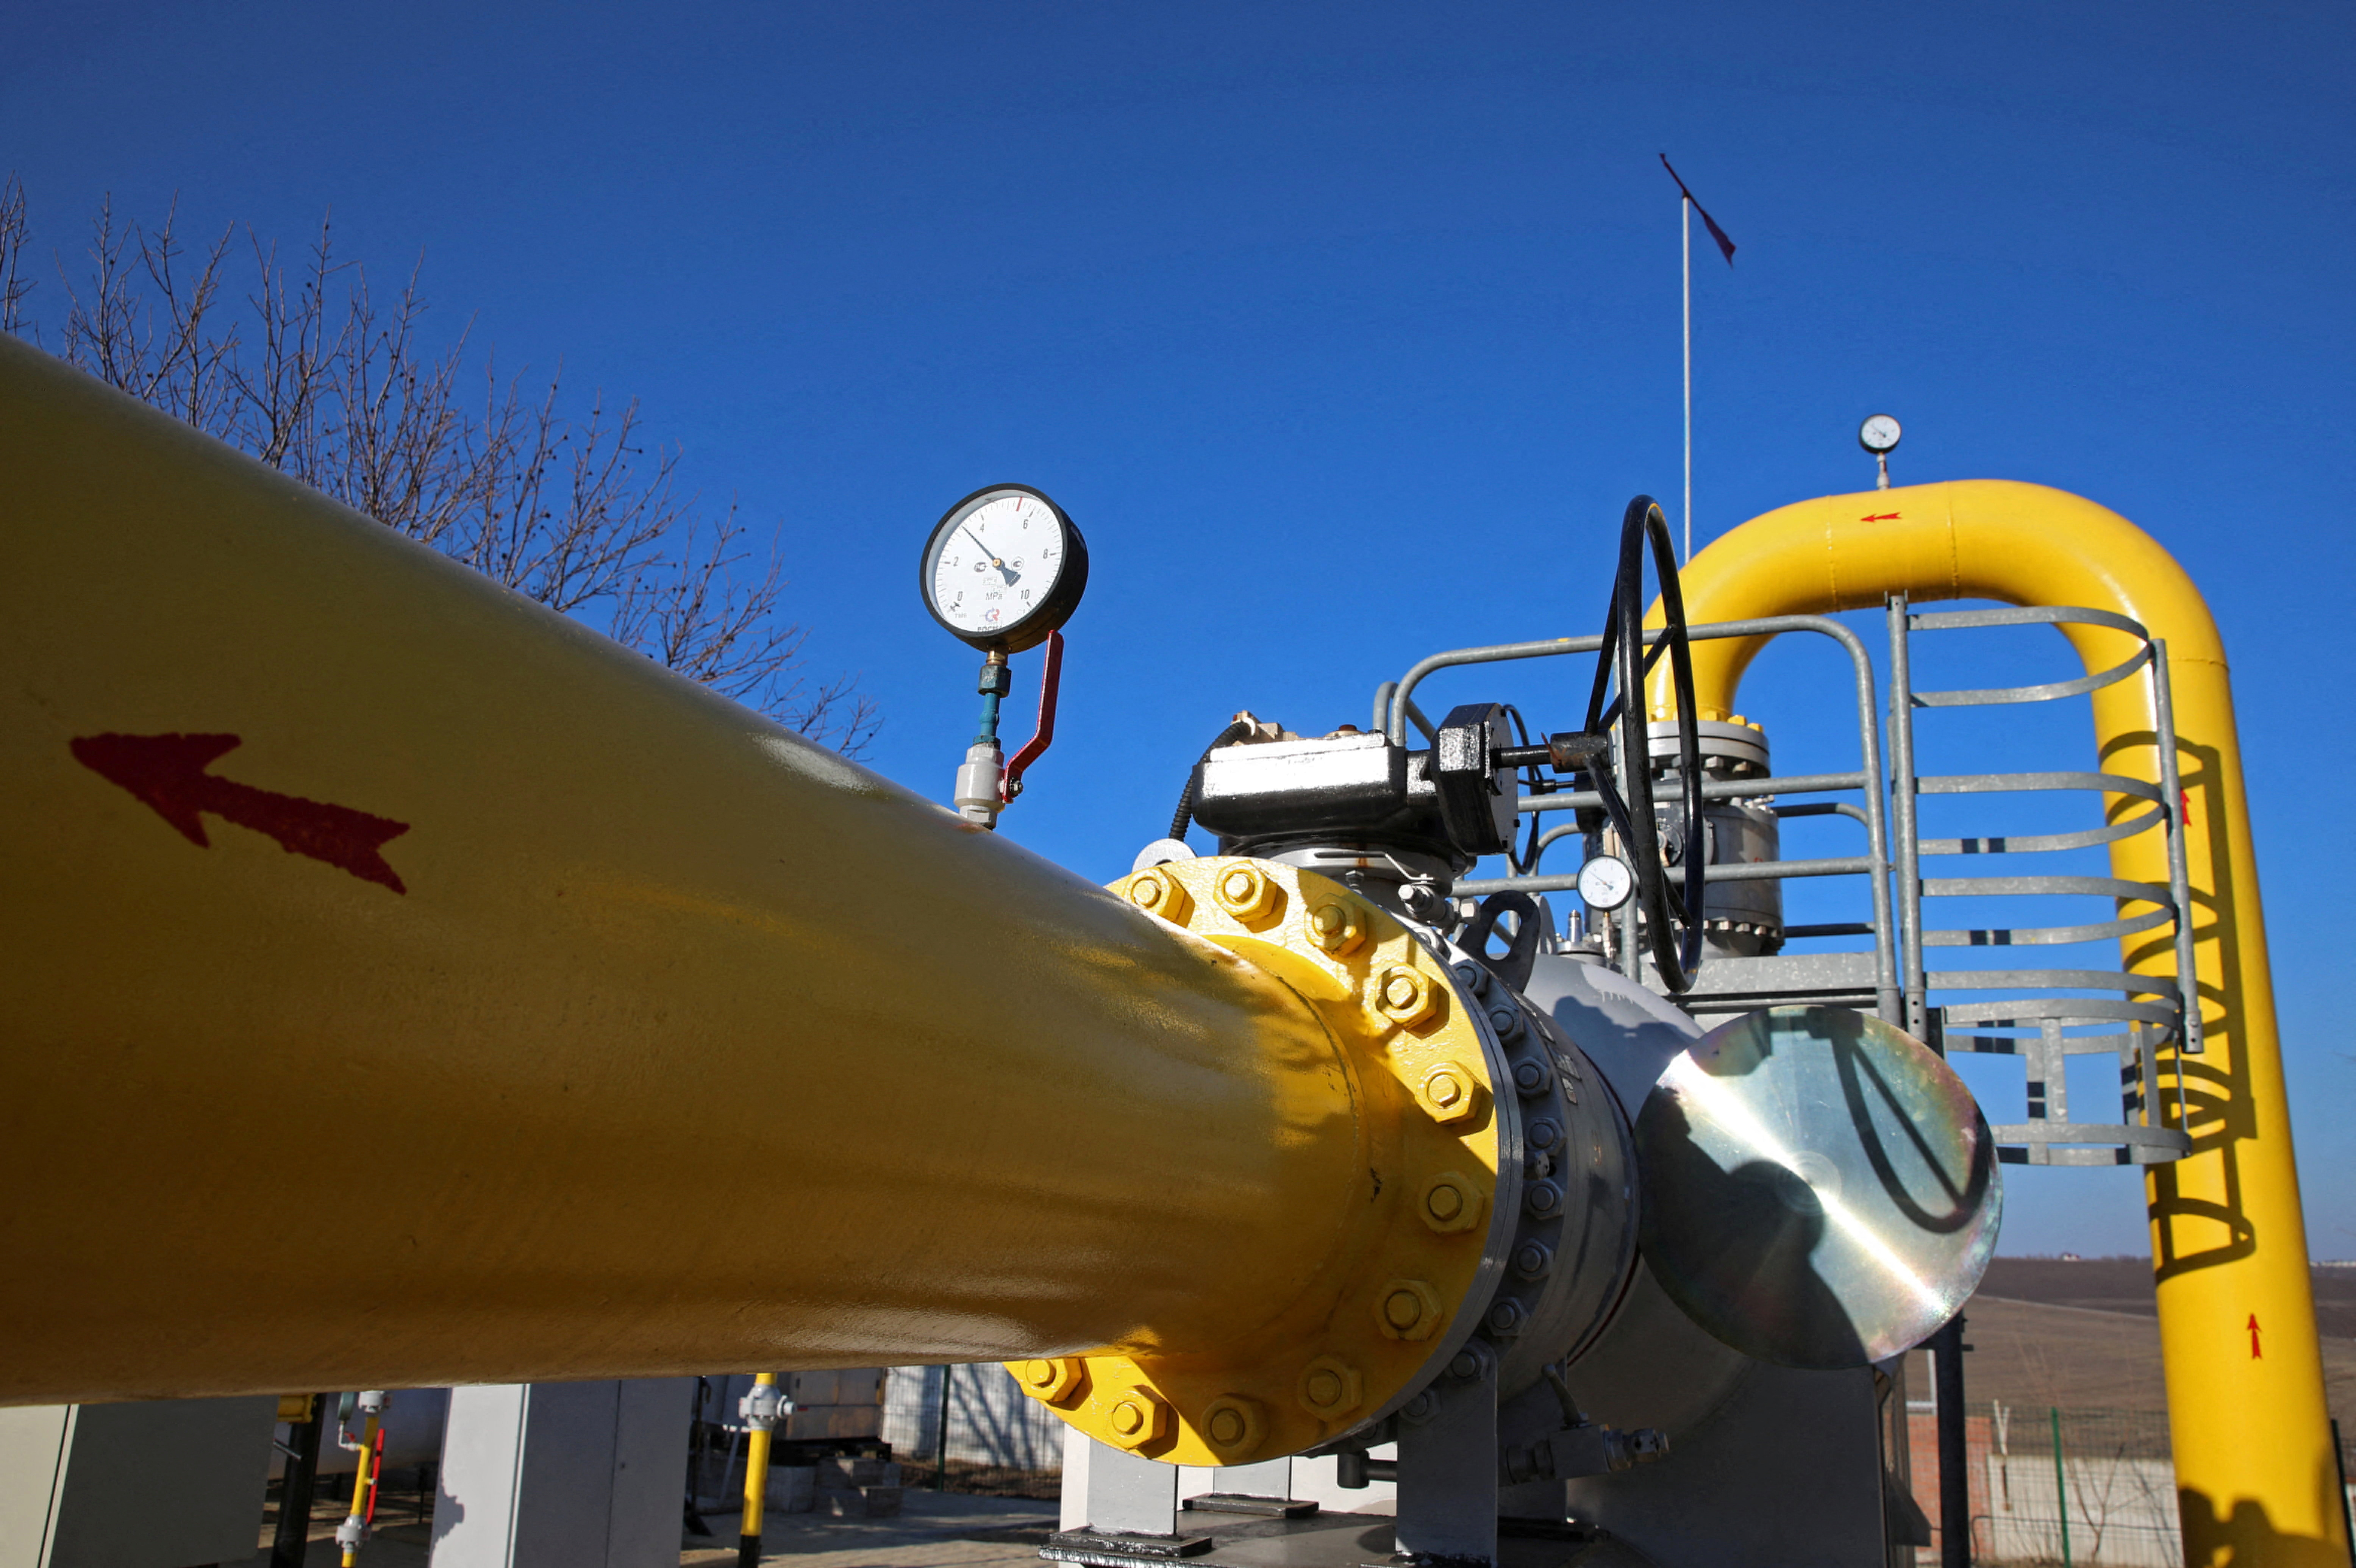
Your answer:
<point x="159" y="1483"/>
<point x="584" y="1474"/>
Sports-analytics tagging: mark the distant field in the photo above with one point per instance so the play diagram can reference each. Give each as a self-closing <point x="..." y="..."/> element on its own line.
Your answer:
<point x="2085" y="1335"/>
<point x="2123" y="1284"/>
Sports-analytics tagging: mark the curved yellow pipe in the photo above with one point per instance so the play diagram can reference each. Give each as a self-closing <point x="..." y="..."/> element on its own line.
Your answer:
<point x="2253" y="1461"/>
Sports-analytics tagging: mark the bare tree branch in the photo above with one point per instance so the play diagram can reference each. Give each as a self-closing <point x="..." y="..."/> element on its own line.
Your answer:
<point x="15" y="231"/>
<point x="577" y="511"/>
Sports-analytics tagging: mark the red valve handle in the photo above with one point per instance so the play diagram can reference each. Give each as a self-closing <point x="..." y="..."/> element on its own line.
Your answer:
<point x="1050" y="679"/>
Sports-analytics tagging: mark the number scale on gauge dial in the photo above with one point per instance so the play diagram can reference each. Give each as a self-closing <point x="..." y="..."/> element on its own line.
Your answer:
<point x="999" y="564"/>
<point x="1003" y="569"/>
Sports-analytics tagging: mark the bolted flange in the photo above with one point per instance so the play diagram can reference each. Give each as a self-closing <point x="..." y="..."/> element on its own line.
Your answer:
<point x="1412" y="1274"/>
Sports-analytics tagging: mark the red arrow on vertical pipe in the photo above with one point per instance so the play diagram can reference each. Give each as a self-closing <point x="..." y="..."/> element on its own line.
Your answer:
<point x="167" y="773"/>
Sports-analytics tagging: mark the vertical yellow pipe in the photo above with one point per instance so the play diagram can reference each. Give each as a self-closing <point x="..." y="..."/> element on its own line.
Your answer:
<point x="363" y="1483"/>
<point x="756" y="1484"/>
<point x="2255" y="1463"/>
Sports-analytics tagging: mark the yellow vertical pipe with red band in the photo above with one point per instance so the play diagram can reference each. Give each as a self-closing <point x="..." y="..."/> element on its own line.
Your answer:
<point x="2254" y="1467"/>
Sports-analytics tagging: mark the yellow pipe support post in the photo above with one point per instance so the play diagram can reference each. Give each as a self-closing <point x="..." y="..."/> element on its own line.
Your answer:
<point x="2255" y="1463"/>
<point x="757" y="1482"/>
<point x="309" y="826"/>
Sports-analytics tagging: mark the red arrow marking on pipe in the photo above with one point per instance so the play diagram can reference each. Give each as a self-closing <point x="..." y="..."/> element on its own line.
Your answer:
<point x="167" y="773"/>
<point x="2256" y="1354"/>
<point x="1880" y="518"/>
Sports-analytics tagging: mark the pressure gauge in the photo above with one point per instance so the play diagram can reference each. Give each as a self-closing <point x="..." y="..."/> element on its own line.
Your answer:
<point x="1004" y="568"/>
<point x="1606" y="881"/>
<point x="1878" y="434"/>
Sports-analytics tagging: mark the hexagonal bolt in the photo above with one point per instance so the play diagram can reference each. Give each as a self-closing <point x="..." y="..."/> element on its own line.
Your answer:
<point x="1245" y="891"/>
<point x="1531" y="1078"/>
<point x="1533" y="1260"/>
<point x="1159" y="892"/>
<point x="1506" y="1317"/>
<point x="1473" y="976"/>
<point x="1542" y="1198"/>
<point x="1418" y="1411"/>
<point x="1329" y="1387"/>
<point x="1234" y="1425"/>
<point x="1405" y="995"/>
<point x="1138" y="1418"/>
<point x="1406" y="1309"/>
<point x="1335" y="928"/>
<point x="1451" y="1204"/>
<point x="1506" y="1020"/>
<point x="1544" y="1134"/>
<point x="1451" y="1092"/>
<point x="1051" y="1382"/>
<point x="1474" y="1360"/>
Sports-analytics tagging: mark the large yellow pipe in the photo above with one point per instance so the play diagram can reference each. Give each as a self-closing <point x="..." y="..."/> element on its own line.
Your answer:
<point x="2253" y="1460"/>
<point x="662" y="1039"/>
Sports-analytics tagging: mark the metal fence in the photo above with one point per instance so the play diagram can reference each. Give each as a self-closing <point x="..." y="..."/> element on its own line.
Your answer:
<point x="992" y="1423"/>
<point x="2069" y="1486"/>
<point x="2062" y="1487"/>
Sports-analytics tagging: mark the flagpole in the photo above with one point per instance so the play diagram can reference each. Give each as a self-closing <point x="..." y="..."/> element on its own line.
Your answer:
<point x="1685" y="254"/>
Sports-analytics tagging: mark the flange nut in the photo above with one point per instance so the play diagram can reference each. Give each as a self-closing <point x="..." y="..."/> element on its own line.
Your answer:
<point x="1451" y="1093"/>
<point x="1138" y="1416"/>
<point x="1235" y="1426"/>
<point x="1247" y="893"/>
<point x="1156" y="891"/>
<point x="1408" y="1309"/>
<point x="1051" y="1379"/>
<point x="1334" y="928"/>
<point x="1406" y="996"/>
<point x="1451" y="1204"/>
<point x="1330" y="1387"/>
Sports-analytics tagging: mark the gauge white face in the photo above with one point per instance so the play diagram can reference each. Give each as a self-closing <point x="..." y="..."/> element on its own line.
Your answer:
<point x="996" y="563"/>
<point x="1606" y="881"/>
<point x="1879" y="433"/>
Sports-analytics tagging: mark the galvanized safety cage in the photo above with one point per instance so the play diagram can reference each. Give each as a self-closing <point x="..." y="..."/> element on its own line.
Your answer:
<point x="2043" y="1016"/>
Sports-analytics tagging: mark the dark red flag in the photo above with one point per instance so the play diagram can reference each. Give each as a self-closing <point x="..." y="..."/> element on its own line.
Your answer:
<point x="1724" y="244"/>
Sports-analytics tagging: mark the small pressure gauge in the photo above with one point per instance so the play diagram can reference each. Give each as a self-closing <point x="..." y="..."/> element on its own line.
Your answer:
<point x="1606" y="881"/>
<point x="1004" y="568"/>
<point x="1878" y="434"/>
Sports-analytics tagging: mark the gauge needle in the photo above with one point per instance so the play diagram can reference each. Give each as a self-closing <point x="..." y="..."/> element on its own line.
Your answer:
<point x="1009" y="576"/>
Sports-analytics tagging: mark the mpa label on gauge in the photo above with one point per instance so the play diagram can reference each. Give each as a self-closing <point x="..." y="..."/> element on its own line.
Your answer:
<point x="1004" y="568"/>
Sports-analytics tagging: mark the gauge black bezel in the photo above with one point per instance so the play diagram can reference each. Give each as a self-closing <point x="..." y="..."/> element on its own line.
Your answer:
<point x="1863" y="425"/>
<point x="1049" y="613"/>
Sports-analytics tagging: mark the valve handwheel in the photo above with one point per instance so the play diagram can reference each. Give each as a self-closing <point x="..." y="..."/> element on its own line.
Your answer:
<point x="1673" y="916"/>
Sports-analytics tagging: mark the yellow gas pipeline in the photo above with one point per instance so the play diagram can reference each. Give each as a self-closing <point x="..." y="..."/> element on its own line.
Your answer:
<point x="309" y="827"/>
<point x="2253" y="1460"/>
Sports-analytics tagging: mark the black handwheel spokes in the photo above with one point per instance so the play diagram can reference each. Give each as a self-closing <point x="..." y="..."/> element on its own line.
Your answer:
<point x="1673" y="916"/>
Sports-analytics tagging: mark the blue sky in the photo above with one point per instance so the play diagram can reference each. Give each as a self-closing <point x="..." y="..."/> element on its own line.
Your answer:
<point x="1345" y="332"/>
